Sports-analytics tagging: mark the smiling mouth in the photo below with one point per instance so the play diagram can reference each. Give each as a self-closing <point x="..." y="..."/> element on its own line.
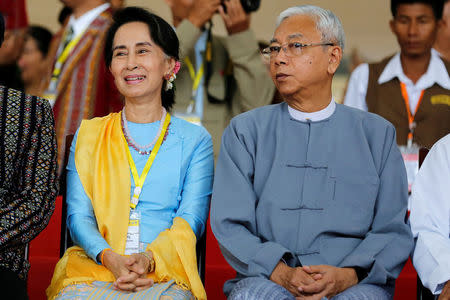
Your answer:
<point x="134" y="78"/>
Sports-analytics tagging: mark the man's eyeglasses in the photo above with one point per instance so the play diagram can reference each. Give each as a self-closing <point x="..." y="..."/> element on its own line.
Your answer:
<point x="291" y="49"/>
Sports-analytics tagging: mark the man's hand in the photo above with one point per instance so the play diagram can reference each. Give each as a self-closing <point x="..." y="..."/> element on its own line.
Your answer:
<point x="235" y="18"/>
<point x="334" y="281"/>
<point x="202" y="11"/>
<point x="445" y="294"/>
<point x="292" y="278"/>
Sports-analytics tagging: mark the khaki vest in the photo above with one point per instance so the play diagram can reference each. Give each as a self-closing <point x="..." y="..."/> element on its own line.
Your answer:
<point x="432" y="117"/>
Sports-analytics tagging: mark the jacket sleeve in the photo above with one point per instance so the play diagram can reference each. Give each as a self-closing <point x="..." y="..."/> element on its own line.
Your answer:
<point x="254" y="85"/>
<point x="388" y="243"/>
<point x="188" y="35"/>
<point x="233" y="218"/>
<point x="197" y="185"/>
<point x="26" y="210"/>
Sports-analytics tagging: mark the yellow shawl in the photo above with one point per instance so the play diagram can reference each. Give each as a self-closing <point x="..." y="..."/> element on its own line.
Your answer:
<point x="102" y="165"/>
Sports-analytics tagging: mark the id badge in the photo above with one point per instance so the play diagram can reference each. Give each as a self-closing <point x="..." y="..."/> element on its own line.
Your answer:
<point x="411" y="159"/>
<point x="190" y="117"/>
<point x="133" y="234"/>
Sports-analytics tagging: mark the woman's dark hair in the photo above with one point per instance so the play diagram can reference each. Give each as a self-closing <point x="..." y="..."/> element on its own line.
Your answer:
<point x="436" y="5"/>
<point x="42" y="36"/>
<point x="161" y="33"/>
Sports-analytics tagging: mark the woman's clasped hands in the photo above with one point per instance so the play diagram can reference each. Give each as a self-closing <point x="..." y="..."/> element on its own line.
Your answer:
<point x="130" y="271"/>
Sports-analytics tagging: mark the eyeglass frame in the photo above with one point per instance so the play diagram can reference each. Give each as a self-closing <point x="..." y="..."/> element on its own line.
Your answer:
<point x="266" y="52"/>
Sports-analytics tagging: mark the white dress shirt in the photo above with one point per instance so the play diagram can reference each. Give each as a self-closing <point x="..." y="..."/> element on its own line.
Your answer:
<point x="80" y="24"/>
<point x="430" y="217"/>
<point x="359" y="79"/>
<point x="314" y="116"/>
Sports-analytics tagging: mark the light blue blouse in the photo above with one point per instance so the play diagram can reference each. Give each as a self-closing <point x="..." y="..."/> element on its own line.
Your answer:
<point x="179" y="184"/>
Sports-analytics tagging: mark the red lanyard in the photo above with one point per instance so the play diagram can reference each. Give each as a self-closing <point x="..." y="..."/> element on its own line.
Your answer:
<point x="411" y="123"/>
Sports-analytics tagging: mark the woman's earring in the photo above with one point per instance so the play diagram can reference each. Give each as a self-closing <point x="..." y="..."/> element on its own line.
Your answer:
<point x="171" y="77"/>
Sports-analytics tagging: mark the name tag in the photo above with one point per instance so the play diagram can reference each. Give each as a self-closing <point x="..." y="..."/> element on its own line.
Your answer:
<point x="440" y="99"/>
<point x="133" y="234"/>
<point x="411" y="159"/>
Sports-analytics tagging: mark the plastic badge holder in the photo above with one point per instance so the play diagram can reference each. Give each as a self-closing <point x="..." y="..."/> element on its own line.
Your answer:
<point x="133" y="235"/>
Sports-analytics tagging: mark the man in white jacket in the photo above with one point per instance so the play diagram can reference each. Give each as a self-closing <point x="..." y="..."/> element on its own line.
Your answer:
<point x="430" y="219"/>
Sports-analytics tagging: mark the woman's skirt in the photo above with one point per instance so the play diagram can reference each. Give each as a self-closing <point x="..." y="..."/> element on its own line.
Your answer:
<point x="99" y="290"/>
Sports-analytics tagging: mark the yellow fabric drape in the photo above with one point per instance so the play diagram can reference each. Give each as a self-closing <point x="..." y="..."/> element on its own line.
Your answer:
<point x="101" y="162"/>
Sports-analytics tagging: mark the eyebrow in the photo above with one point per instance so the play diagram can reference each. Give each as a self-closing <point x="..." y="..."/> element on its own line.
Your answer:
<point x="291" y="36"/>
<point x="137" y="44"/>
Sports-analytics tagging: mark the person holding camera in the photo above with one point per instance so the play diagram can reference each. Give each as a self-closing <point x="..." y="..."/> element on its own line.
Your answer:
<point x="220" y="76"/>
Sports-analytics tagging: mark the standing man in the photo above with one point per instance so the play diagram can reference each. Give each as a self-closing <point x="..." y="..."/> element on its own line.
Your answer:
<point x="28" y="181"/>
<point x="442" y="43"/>
<point x="411" y="88"/>
<point x="81" y="86"/>
<point x="226" y="78"/>
<point x="309" y="196"/>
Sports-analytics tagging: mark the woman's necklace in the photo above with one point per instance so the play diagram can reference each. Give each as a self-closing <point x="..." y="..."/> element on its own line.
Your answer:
<point x="143" y="150"/>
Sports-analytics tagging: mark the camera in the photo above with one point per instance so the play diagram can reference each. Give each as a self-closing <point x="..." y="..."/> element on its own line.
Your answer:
<point x="248" y="5"/>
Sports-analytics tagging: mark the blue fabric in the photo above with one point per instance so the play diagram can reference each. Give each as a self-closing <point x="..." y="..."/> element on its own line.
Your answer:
<point x="101" y="290"/>
<point x="200" y="47"/>
<point x="330" y="192"/>
<point x="256" y="288"/>
<point x="179" y="184"/>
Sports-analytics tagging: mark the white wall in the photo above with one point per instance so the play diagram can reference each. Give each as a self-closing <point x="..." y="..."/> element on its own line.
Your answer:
<point x="365" y="21"/>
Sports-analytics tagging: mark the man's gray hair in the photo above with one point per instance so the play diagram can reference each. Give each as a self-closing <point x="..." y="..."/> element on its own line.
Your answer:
<point x="326" y="22"/>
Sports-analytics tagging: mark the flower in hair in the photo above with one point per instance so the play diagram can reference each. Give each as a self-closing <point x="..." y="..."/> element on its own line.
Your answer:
<point x="177" y="67"/>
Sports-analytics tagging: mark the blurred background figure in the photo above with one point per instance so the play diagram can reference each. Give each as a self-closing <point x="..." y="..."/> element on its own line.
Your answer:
<point x="442" y="44"/>
<point x="81" y="87"/>
<point x="221" y="76"/>
<point x="117" y="4"/>
<point x="410" y="89"/>
<point x="33" y="60"/>
<point x="16" y="22"/>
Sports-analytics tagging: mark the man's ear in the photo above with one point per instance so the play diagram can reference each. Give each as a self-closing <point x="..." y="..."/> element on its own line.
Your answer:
<point x="392" y="25"/>
<point x="170" y="65"/>
<point x="334" y="58"/>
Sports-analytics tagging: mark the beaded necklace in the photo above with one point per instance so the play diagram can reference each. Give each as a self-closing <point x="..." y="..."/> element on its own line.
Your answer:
<point x="143" y="150"/>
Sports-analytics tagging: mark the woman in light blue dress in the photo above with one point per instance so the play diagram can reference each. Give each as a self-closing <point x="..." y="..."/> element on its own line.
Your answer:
<point x="137" y="165"/>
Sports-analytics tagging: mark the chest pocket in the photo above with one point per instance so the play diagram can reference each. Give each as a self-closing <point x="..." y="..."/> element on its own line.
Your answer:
<point x="305" y="186"/>
<point x="354" y="202"/>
